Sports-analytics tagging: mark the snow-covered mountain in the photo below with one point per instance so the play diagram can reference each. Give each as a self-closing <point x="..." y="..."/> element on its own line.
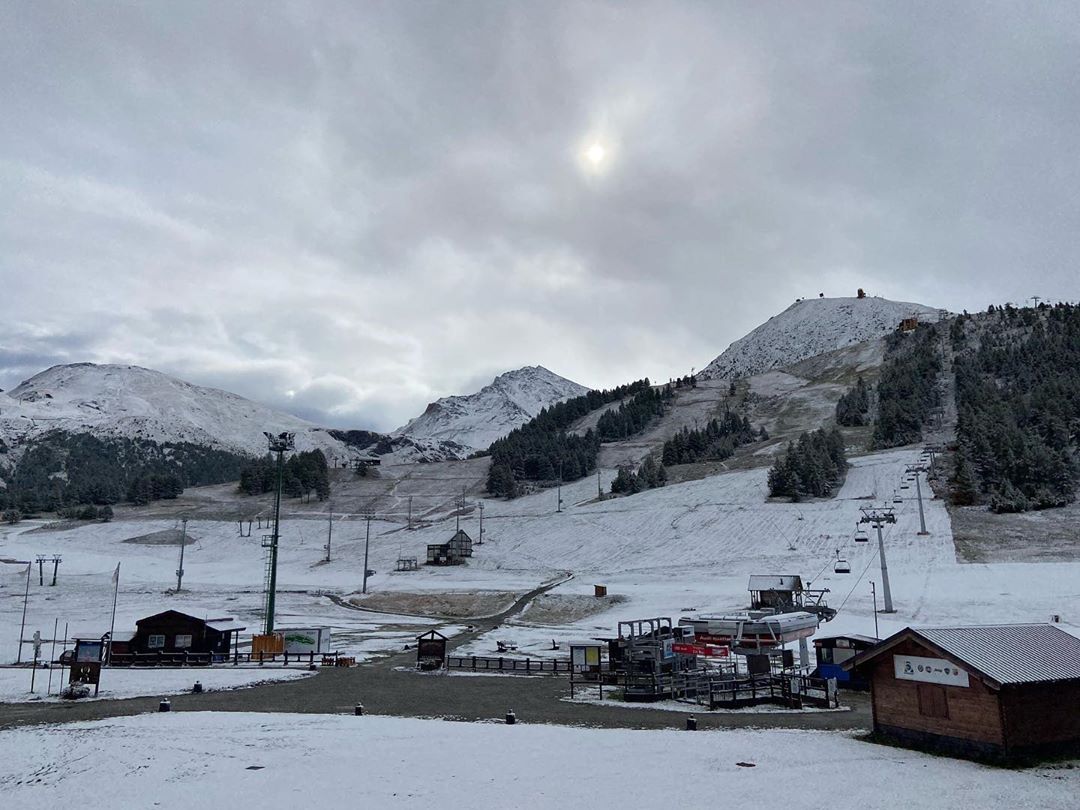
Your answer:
<point x="476" y="420"/>
<point x="811" y="327"/>
<point x="139" y="403"/>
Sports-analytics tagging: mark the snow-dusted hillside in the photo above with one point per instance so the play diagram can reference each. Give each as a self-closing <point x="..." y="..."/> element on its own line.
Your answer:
<point x="476" y="420"/>
<point x="139" y="403"/>
<point x="811" y="327"/>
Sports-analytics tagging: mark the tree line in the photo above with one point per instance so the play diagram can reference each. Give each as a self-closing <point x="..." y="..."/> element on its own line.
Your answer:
<point x="649" y="475"/>
<point x="714" y="442"/>
<point x="813" y="466"/>
<point x="302" y="475"/>
<point x="61" y="470"/>
<point x="907" y="389"/>
<point x="1018" y="407"/>
<point x="853" y="408"/>
<point x="634" y="415"/>
<point x="541" y="449"/>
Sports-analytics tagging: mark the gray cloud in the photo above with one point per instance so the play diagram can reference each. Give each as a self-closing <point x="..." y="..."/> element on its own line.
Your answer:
<point x="349" y="210"/>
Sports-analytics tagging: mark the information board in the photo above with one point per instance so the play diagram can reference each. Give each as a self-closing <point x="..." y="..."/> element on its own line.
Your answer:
<point x="928" y="670"/>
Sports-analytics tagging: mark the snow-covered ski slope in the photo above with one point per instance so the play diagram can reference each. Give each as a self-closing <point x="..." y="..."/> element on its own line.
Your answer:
<point x="686" y="546"/>
<point x="809" y="328"/>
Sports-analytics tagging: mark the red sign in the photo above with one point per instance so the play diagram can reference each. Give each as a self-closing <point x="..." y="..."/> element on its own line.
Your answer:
<point x="700" y="649"/>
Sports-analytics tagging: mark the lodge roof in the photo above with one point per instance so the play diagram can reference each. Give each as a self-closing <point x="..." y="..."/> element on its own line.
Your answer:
<point x="1002" y="653"/>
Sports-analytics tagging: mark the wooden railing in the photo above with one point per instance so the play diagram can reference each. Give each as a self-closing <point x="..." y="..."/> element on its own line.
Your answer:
<point x="521" y="666"/>
<point x="188" y="659"/>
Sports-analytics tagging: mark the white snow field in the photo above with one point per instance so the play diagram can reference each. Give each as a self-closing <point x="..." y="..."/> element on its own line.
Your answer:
<point x="183" y="760"/>
<point x="663" y="552"/>
<point x="127" y="683"/>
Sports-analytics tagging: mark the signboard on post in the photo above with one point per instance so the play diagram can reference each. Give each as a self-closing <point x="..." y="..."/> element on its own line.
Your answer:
<point x="928" y="670"/>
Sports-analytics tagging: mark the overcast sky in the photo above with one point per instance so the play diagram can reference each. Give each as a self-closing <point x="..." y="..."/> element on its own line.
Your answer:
<point x="349" y="209"/>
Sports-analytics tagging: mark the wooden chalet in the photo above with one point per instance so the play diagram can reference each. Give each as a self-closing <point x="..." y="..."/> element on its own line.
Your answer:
<point x="452" y="552"/>
<point x="174" y="632"/>
<point x="1002" y="692"/>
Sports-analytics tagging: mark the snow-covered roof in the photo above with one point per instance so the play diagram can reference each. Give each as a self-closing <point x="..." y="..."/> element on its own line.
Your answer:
<point x="775" y="582"/>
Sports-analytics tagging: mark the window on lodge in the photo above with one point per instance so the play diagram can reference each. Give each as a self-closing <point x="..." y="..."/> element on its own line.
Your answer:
<point x="156" y="641"/>
<point x="933" y="701"/>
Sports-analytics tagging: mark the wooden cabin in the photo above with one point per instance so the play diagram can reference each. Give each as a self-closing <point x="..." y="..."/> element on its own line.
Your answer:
<point x="1001" y="692"/>
<point x="174" y="632"/>
<point x="452" y="552"/>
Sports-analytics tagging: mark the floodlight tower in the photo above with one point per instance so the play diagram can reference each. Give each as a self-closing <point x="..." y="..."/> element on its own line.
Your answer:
<point x="278" y="444"/>
<point x="878" y="518"/>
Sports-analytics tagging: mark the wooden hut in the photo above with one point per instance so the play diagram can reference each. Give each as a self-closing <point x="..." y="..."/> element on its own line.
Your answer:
<point x="173" y="633"/>
<point x="431" y="650"/>
<point x="1001" y="692"/>
<point x="452" y="552"/>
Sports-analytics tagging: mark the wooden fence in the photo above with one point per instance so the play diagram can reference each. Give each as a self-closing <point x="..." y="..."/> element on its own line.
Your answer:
<point x="521" y="666"/>
<point x="186" y="659"/>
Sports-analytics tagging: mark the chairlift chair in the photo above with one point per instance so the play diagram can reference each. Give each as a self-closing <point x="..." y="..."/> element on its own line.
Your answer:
<point x="897" y="499"/>
<point x="861" y="536"/>
<point x="842" y="567"/>
<point x="904" y="485"/>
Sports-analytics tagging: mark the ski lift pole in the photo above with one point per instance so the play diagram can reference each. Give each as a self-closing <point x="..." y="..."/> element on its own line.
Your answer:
<point x="886" y="590"/>
<point x="922" y="517"/>
<point x="873" y="592"/>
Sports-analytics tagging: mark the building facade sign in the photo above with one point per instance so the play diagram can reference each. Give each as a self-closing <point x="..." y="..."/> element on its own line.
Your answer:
<point x="928" y="670"/>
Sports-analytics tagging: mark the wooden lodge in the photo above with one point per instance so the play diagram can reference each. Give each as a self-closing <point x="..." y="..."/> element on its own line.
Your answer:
<point x="452" y="552"/>
<point x="173" y="632"/>
<point x="1000" y="692"/>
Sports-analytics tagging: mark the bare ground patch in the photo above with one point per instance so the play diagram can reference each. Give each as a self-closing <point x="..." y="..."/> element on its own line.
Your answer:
<point x="59" y="526"/>
<point x="1049" y="535"/>
<point x="166" y="537"/>
<point x="449" y="605"/>
<point x="560" y="609"/>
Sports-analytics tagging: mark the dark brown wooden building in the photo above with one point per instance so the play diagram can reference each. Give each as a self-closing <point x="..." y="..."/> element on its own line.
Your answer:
<point x="452" y="552"/>
<point x="174" y="632"/>
<point x="1002" y="692"/>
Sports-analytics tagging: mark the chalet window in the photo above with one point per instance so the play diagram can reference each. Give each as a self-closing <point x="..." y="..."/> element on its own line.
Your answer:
<point x="156" y="641"/>
<point x="183" y="642"/>
<point x="933" y="701"/>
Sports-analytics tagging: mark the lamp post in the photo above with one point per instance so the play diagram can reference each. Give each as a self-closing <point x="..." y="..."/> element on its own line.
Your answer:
<point x="278" y="444"/>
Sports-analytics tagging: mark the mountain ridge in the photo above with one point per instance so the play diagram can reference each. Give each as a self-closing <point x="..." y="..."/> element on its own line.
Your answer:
<point x="507" y="402"/>
<point x="810" y="327"/>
